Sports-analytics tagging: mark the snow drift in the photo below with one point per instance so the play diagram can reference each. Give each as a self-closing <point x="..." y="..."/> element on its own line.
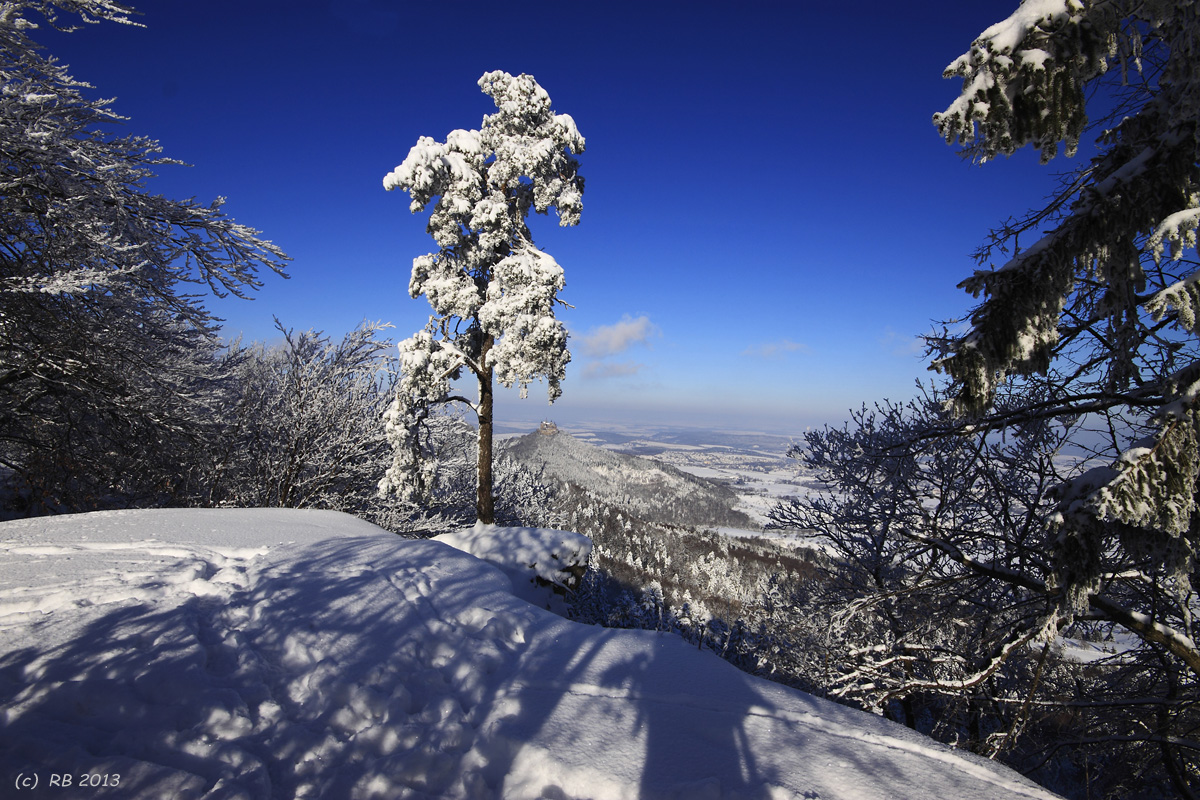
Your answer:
<point x="303" y="654"/>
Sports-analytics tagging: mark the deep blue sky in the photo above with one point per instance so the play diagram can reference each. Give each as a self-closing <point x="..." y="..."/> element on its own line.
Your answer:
<point x="770" y="216"/>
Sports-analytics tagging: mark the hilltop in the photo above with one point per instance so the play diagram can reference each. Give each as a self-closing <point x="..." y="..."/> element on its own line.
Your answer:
<point x="272" y="653"/>
<point x="649" y="489"/>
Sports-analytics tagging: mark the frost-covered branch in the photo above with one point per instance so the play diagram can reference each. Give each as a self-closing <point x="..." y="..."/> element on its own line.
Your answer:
<point x="1103" y="301"/>
<point x="111" y="375"/>
<point x="947" y="567"/>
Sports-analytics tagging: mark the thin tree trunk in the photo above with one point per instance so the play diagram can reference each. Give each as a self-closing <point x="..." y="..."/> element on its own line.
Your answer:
<point x="485" y="502"/>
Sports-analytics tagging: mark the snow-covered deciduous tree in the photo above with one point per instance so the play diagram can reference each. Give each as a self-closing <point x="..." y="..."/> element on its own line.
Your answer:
<point x="1097" y="290"/>
<point x="914" y="525"/>
<point x="108" y="367"/>
<point x="492" y="291"/>
<point x="302" y="427"/>
<point x="942" y="608"/>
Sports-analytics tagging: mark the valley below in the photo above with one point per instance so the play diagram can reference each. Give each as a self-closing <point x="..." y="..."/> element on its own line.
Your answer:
<point x="752" y="465"/>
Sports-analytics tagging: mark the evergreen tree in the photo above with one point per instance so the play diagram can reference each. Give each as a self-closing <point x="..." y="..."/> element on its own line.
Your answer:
<point x="492" y="291"/>
<point x="1103" y="300"/>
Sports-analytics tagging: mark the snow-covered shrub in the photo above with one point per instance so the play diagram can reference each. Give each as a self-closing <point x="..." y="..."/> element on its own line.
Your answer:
<point x="939" y="606"/>
<point x="302" y="427"/>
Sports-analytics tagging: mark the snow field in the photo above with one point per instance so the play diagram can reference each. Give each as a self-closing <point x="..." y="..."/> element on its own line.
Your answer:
<point x="298" y="654"/>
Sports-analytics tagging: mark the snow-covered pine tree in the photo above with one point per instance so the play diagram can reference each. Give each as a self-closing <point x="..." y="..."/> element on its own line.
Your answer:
<point x="492" y="291"/>
<point x="1099" y="289"/>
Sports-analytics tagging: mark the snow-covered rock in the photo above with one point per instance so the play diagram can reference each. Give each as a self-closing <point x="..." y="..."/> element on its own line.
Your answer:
<point x="542" y="563"/>
<point x="292" y="654"/>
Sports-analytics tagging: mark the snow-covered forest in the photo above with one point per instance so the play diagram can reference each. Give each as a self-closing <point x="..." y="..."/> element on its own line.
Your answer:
<point x="987" y="590"/>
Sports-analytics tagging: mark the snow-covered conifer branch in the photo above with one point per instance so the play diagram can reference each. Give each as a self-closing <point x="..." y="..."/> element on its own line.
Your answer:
<point x="16" y="12"/>
<point x="1103" y="302"/>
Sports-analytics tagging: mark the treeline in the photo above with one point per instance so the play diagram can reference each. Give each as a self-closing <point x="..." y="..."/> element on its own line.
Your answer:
<point x="116" y="389"/>
<point x="294" y="424"/>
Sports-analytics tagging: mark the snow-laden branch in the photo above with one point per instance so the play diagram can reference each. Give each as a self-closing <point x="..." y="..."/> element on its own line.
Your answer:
<point x="1135" y="622"/>
<point x="113" y="377"/>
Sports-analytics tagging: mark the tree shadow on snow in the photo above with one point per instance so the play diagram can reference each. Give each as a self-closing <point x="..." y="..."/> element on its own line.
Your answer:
<point x="372" y="667"/>
<point x="366" y="667"/>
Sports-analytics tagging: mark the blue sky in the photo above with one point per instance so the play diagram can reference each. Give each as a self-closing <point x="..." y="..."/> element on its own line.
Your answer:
<point x="770" y="217"/>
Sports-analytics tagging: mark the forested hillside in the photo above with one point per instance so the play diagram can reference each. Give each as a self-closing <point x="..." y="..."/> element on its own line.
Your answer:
<point x="652" y="491"/>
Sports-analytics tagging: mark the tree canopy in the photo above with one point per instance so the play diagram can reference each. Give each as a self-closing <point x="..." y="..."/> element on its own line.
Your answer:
<point x="107" y="361"/>
<point x="1096" y="291"/>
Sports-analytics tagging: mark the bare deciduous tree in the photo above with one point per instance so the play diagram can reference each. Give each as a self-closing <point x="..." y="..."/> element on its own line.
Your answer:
<point x="109" y="368"/>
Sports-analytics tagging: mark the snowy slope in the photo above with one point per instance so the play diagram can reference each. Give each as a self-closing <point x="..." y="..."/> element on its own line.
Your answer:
<point x="282" y="654"/>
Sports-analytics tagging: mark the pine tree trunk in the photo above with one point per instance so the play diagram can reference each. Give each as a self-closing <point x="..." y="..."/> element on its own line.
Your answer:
<point x="485" y="502"/>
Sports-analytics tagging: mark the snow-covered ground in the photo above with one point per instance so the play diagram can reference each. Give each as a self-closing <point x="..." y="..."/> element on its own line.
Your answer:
<point x="293" y="654"/>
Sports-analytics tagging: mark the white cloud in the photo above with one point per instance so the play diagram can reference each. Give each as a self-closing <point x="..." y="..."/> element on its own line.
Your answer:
<point x="902" y="345"/>
<point x="776" y="349"/>
<point x="611" y="370"/>
<point x="609" y="340"/>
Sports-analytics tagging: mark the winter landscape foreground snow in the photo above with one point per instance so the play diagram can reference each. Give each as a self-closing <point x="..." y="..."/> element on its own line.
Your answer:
<point x="292" y="654"/>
